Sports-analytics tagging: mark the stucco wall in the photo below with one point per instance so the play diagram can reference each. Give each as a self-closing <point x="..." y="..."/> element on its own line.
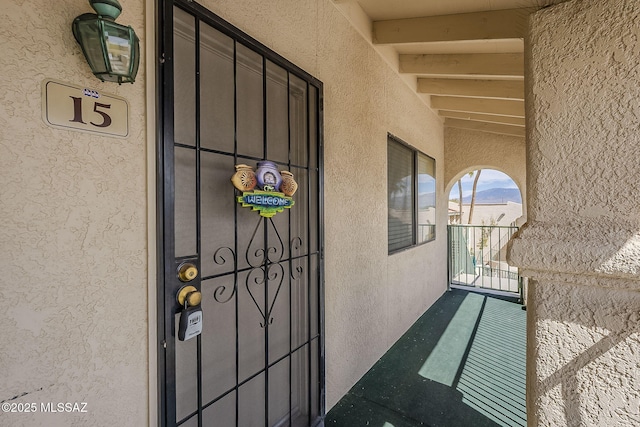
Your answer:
<point x="371" y="298"/>
<point x="581" y="245"/>
<point x="73" y="237"/>
<point x="74" y="208"/>
<point x="586" y="342"/>
<point x="467" y="150"/>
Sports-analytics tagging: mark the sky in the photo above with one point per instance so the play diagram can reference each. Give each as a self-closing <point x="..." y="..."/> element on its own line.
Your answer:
<point x="489" y="178"/>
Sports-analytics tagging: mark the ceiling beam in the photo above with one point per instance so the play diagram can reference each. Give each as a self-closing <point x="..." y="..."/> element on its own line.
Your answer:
<point x="491" y="118"/>
<point x="495" y="24"/>
<point x="486" y="127"/>
<point x="492" y="64"/>
<point x="509" y="89"/>
<point x="501" y="107"/>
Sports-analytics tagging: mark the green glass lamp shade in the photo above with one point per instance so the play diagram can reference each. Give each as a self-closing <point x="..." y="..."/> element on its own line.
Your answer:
<point x="112" y="50"/>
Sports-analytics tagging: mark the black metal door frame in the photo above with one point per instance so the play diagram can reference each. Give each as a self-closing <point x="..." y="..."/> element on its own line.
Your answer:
<point x="165" y="177"/>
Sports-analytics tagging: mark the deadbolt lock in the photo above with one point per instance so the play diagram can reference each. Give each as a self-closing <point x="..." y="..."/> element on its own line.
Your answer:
<point x="189" y="296"/>
<point x="187" y="272"/>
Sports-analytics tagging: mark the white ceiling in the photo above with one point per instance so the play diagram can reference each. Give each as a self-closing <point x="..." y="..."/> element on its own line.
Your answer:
<point x="469" y="46"/>
<point x="464" y="57"/>
<point x="379" y="10"/>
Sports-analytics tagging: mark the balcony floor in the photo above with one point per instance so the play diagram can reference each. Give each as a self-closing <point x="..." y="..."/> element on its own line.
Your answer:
<point x="461" y="364"/>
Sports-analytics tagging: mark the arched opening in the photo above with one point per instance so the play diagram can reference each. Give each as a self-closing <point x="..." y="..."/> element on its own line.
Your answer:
<point x="485" y="197"/>
<point x="485" y="210"/>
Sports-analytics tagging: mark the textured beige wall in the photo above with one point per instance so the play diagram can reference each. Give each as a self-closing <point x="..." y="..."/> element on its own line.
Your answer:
<point x="581" y="245"/>
<point x="583" y="364"/>
<point x="371" y="298"/>
<point x="73" y="241"/>
<point x="73" y="237"/>
<point x="467" y="150"/>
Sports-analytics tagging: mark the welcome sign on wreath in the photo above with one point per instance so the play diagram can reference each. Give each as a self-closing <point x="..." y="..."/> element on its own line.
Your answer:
<point x="266" y="190"/>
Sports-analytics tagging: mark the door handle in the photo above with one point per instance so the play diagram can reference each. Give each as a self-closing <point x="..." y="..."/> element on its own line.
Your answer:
<point x="189" y="295"/>
<point x="189" y="299"/>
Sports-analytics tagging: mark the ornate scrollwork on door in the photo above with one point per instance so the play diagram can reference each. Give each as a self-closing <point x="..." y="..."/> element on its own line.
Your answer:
<point x="257" y="254"/>
<point x="294" y="246"/>
<point x="264" y="276"/>
<point x="266" y="268"/>
<point x="220" y="259"/>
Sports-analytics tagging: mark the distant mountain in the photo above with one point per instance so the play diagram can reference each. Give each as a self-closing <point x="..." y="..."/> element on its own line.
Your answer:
<point x="426" y="199"/>
<point x="495" y="196"/>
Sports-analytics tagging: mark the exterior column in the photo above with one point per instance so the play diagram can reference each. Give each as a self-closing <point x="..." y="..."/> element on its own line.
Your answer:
<point x="581" y="245"/>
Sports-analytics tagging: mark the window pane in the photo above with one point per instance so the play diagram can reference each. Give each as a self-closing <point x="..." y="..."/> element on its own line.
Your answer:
<point x="249" y="102"/>
<point x="400" y="196"/>
<point x="298" y="120"/>
<point x="277" y="109"/>
<point x="184" y="78"/>
<point x="216" y="90"/>
<point x="426" y="198"/>
<point x="185" y="202"/>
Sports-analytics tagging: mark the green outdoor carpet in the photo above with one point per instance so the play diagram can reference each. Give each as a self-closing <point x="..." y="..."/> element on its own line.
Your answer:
<point x="462" y="364"/>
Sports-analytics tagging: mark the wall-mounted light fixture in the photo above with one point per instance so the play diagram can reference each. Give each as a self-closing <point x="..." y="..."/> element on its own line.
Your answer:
<point x="112" y="50"/>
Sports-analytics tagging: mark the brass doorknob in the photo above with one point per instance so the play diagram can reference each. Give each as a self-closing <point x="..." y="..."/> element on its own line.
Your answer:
<point x="187" y="272"/>
<point x="190" y="295"/>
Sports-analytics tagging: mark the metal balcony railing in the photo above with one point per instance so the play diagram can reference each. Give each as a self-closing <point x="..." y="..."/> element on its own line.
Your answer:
<point x="477" y="258"/>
